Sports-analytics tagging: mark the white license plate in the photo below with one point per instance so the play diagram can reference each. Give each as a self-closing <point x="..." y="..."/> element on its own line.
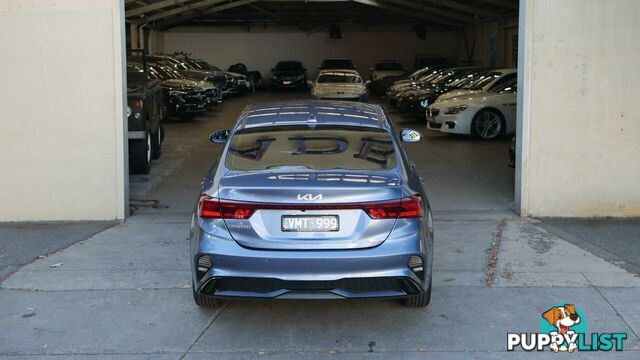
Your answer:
<point x="286" y="82"/>
<point x="320" y="223"/>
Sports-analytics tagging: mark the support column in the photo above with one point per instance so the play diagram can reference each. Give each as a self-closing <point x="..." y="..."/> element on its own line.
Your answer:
<point x="133" y="33"/>
<point x="577" y="108"/>
<point x="63" y="144"/>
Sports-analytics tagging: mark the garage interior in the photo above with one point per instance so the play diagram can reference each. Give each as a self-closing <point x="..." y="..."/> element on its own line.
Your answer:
<point x="464" y="173"/>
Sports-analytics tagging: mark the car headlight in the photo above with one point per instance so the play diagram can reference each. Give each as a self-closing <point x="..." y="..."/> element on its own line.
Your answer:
<point x="456" y="109"/>
<point x="129" y="110"/>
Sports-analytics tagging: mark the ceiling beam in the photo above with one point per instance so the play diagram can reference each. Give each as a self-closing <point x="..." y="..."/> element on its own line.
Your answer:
<point x="177" y="20"/>
<point x="430" y="9"/>
<point x="151" y="7"/>
<point x="509" y="4"/>
<point x="462" y="7"/>
<point x="412" y="13"/>
<point x="185" y="8"/>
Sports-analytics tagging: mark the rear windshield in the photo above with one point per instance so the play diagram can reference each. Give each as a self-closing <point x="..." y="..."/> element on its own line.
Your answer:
<point x="338" y="77"/>
<point x="337" y="64"/>
<point x="289" y="66"/>
<point x="320" y="148"/>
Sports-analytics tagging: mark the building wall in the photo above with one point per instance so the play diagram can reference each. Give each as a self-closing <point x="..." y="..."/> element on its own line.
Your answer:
<point x="260" y="50"/>
<point x="61" y="144"/>
<point x="579" y="128"/>
<point x="489" y="44"/>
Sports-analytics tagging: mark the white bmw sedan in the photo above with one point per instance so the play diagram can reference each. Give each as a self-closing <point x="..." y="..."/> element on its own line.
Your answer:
<point x="486" y="115"/>
<point x="340" y="85"/>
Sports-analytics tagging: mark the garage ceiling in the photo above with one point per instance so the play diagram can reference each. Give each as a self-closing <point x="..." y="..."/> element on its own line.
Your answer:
<point x="308" y="15"/>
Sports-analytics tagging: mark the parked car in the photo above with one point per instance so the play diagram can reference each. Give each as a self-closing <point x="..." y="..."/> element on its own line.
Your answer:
<point x="343" y="215"/>
<point x="289" y="74"/>
<point x="414" y="100"/>
<point x="484" y="82"/>
<point x="340" y="84"/>
<point x="145" y="113"/>
<point x="337" y="64"/>
<point x="380" y="87"/>
<point x="385" y="69"/>
<point x="259" y="83"/>
<point x="237" y="83"/>
<point x="422" y="76"/>
<point x="183" y="97"/>
<point x="486" y="115"/>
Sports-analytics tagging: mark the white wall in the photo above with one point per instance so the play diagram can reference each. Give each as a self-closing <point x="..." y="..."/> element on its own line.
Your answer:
<point x="61" y="138"/>
<point x="261" y="50"/>
<point x="579" y="119"/>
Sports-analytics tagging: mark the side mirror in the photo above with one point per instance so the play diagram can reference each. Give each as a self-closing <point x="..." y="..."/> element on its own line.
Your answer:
<point x="310" y="83"/>
<point x="367" y="82"/>
<point x="370" y="69"/>
<point x="219" y="136"/>
<point x="410" y="136"/>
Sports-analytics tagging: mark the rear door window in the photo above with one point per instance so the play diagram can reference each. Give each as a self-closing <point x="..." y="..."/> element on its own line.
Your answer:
<point x="319" y="148"/>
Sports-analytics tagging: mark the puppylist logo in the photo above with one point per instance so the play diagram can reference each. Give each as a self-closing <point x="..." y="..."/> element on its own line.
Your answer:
<point x="563" y="328"/>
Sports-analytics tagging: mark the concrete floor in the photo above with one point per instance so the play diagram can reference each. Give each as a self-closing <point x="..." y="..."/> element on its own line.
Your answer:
<point x="125" y="292"/>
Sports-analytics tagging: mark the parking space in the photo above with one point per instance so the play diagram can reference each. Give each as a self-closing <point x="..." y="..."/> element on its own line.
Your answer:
<point x="131" y="284"/>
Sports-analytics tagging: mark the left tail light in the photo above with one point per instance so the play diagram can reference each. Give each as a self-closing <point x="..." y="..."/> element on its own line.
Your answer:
<point x="214" y="208"/>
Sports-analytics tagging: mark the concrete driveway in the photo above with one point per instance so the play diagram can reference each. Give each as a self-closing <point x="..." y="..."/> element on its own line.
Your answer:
<point x="125" y="292"/>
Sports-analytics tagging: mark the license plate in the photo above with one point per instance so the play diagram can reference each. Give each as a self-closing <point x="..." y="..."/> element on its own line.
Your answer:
<point x="320" y="223"/>
<point x="286" y="82"/>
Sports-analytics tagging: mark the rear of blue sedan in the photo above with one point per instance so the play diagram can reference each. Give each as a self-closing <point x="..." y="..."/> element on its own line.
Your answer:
<point x="312" y="200"/>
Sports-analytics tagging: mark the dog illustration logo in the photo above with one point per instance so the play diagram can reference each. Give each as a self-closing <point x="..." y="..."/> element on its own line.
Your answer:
<point x="563" y="318"/>
<point x="563" y="328"/>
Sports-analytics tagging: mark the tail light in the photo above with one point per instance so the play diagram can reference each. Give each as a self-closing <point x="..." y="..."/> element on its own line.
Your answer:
<point x="409" y="207"/>
<point x="137" y="104"/>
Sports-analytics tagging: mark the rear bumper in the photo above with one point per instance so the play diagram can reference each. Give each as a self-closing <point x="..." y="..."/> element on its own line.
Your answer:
<point x="377" y="272"/>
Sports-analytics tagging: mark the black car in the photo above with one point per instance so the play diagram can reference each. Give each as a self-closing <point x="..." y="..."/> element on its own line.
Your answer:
<point x="183" y="97"/>
<point x="145" y="113"/>
<point x="289" y="74"/>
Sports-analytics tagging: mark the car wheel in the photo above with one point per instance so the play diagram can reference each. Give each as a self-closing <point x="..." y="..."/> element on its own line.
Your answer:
<point x="488" y="124"/>
<point x="204" y="300"/>
<point x="419" y="301"/>
<point x="156" y="143"/>
<point x="140" y="155"/>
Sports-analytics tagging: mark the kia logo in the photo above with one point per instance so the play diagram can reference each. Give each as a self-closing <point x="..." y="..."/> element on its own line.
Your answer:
<point x="309" y="197"/>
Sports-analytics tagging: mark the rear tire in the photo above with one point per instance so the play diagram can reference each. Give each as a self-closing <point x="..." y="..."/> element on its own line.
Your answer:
<point x="419" y="301"/>
<point x="140" y="155"/>
<point x="206" y="301"/>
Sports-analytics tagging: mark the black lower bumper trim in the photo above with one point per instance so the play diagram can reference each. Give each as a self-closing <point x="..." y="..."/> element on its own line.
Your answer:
<point x="267" y="286"/>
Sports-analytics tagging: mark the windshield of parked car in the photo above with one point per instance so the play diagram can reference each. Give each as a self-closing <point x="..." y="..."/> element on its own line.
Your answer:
<point x="288" y="66"/>
<point x="389" y="66"/>
<point x="507" y="87"/>
<point x="337" y="64"/>
<point x="163" y="72"/>
<point x="319" y="148"/>
<point x="202" y="65"/>
<point x="483" y="80"/>
<point x="338" y="77"/>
